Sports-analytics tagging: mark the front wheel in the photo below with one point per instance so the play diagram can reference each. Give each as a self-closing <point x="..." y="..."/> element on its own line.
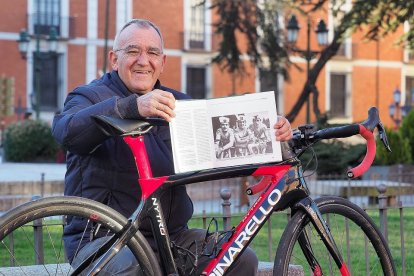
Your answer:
<point x="31" y="241"/>
<point x="359" y="241"/>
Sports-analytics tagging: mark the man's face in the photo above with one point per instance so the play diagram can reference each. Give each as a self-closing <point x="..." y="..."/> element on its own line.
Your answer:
<point x="138" y="58"/>
<point x="257" y="121"/>
<point x="241" y="124"/>
<point x="225" y="126"/>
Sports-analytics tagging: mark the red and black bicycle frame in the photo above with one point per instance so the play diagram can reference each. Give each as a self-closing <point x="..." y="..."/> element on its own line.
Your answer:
<point x="281" y="187"/>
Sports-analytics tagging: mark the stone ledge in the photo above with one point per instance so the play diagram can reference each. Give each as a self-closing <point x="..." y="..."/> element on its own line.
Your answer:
<point x="265" y="269"/>
<point x="31" y="187"/>
<point x="49" y="269"/>
<point x="8" y="202"/>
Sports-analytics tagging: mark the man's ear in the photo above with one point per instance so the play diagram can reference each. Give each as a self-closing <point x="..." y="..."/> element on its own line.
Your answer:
<point x="164" y="58"/>
<point x="113" y="59"/>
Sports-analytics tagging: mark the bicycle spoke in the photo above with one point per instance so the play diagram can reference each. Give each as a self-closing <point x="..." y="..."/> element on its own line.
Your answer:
<point x="13" y="256"/>
<point x="54" y="250"/>
<point x="35" y="251"/>
<point x="83" y="235"/>
<point x="35" y="235"/>
<point x="341" y="230"/>
<point x="331" y="264"/>
<point x="24" y="253"/>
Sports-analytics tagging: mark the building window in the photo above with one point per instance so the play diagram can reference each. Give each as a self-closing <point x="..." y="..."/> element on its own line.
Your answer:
<point x="268" y="82"/>
<point x="409" y="91"/>
<point x="196" y="82"/>
<point x="47" y="64"/>
<point x="46" y="15"/>
<point x="338" y="96"/>
<point x="197" y="25"/>
<point x="410" y="55"/>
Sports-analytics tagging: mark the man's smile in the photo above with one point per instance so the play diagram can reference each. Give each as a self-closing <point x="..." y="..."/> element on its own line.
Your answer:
<point x="142" y="72"/>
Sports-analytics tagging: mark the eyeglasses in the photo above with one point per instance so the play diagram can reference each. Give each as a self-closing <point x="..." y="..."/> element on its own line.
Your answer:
<point x="132" y="51"/>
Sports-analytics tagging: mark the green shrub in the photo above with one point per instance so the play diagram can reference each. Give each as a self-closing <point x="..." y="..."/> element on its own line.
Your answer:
<point x="407" y="131"/>
<point x="334" y="157"/>
<point x="29" y="141"/>
<point x="400" y="146"/>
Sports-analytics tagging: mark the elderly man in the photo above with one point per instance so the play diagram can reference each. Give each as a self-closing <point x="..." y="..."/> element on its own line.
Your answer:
<point x="103" y="169"/>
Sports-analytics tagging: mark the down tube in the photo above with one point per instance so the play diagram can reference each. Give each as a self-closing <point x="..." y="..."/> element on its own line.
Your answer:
<point x="246" y="230"/>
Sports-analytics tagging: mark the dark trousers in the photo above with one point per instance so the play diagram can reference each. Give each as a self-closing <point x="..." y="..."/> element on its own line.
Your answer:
<point x="124" y="263"/>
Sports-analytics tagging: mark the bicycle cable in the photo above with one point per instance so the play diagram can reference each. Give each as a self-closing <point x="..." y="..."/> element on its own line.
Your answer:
<point x="315" y="158"/>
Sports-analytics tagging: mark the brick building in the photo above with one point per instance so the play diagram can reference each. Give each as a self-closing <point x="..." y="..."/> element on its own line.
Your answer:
<point x="80" y="54"/>
<point x="362" y="75"/>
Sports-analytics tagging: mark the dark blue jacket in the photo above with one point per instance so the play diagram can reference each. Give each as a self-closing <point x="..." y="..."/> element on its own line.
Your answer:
<point x="102" y="168"/>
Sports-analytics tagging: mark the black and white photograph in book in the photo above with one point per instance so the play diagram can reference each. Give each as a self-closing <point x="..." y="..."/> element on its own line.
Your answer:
<point x="241" y="135"/>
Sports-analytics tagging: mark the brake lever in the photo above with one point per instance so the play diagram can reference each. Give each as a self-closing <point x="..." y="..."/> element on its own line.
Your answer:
<point x="383" y="136"/>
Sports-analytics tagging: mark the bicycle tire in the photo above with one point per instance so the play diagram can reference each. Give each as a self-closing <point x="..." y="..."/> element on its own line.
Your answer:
<point x="51" y="209"/>
<point x="359" y="225"/>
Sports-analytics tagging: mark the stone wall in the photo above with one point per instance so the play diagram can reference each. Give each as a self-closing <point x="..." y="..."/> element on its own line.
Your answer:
<point x="16" y="193"/>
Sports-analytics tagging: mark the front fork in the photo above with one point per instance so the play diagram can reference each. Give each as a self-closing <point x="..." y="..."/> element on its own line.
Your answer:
<point x="308" y="206"/>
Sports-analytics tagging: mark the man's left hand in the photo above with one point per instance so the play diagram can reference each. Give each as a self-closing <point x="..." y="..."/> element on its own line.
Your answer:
<point x="283" y="129"/>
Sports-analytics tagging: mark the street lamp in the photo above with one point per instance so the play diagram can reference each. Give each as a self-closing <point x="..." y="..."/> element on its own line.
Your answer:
<point x="322" y="37"/>
<point x="398" y="112"/>
<point x="23" y="44"/>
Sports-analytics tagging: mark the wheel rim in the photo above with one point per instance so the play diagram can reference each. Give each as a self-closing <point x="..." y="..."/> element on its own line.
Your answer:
<point x="358" y="252"/>
<point x="23" y="253"/>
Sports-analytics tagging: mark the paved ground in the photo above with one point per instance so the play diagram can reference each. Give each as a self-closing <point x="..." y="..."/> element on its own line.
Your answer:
<point x="31" y="171"/>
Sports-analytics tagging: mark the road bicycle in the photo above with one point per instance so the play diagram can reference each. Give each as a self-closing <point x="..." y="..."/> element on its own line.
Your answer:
<point x="314" y="238"/>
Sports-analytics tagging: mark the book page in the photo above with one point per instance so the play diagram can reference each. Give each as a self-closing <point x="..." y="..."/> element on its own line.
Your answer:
<point x="189" y="136"/>
<point x="249" y="119"/>
<point x="224" y="132"/>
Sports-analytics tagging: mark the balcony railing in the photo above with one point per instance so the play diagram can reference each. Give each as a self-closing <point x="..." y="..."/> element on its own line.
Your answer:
<point x="193" y="41"/>
<point x="41" y="25"/>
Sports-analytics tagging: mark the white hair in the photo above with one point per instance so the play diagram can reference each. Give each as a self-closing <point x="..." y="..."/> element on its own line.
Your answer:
<point x="140" y="23"/>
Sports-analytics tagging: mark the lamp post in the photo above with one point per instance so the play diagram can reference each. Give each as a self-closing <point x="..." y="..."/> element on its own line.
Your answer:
<point x="308" y="54"/>
<point x="398" y="112"/>
<point x="23" y="44"/>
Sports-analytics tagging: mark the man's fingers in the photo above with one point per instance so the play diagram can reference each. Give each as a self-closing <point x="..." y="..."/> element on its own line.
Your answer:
<point x="157" y="103"/>
<point x="281" y="121"/>
<point x="285" y="136"/>
<point x="284" y="133"/>
<point x="164" y="111"/>
<point x="166" y="98"/>
<point x="283" y="129"/>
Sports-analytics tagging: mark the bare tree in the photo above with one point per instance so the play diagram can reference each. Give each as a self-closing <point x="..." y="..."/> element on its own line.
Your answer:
<point x="249" y="16"/>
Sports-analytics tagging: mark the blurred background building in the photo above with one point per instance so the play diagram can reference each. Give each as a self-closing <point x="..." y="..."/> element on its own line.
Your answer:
<point x="48" y="47"/>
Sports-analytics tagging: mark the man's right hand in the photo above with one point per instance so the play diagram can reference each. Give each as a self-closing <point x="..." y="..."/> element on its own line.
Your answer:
<point x="157" y="103"/>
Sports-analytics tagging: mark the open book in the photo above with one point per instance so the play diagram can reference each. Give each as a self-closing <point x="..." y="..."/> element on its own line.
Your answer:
<point x="223" y="132"/>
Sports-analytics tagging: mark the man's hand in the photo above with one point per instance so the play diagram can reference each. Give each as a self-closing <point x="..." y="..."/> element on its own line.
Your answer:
<point x="283" y="129"/>
<point x="157" y="103"/>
